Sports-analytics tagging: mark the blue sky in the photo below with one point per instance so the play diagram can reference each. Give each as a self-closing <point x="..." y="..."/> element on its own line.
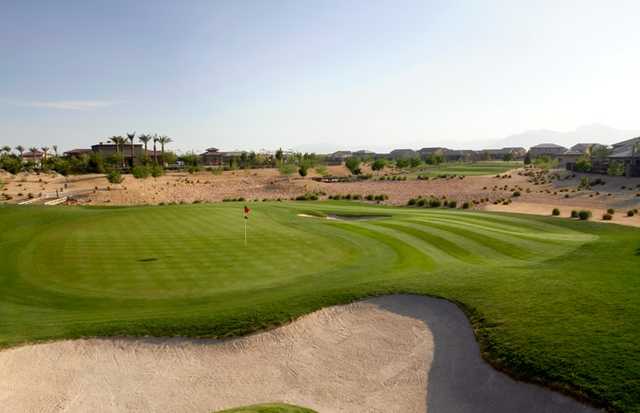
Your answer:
<point x="259" y="74"/>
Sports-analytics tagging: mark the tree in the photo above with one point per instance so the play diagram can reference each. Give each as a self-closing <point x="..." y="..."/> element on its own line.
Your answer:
<point x="415" y="162"/>
<point x="131" y="136"/>
<point x="527" y="159"/>
<point x="615" y="168"/>
<point x="6" y="149"/>
<point x="279" y="155"/>
<point x="378" y="164"/>
<point x="163" y="140"/>
<point x="583" y="164"/>
<point x="508" y="157"/>
<point x="20" y="150"/>
<point x="55" y="150"/>
<point x="144" y="138"/>
<point x="155" y="152"/>
<point x="45" y="149"/>
<point x="353" y="165"/>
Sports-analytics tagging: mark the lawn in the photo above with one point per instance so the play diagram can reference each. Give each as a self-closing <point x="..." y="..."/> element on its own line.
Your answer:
<point x="469" y="168"/>
<point x="269" y="408"/>
<point x="551" y="299"/>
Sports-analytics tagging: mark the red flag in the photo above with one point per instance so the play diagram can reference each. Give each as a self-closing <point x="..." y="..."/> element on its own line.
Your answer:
<point x="246" y="212"/>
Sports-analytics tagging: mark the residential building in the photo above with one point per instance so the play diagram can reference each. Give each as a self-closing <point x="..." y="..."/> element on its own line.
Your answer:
<point x="403" y="154"/>
<point x="627" y="152"/>
<point x="213" y="157"/>
<point x="546" y="149"/>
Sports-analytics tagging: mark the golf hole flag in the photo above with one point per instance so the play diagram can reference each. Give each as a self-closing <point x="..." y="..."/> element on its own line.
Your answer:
<point x="246" y="218"/>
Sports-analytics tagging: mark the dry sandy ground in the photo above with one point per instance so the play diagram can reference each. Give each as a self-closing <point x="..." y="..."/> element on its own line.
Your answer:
<point x="397" y="353"/>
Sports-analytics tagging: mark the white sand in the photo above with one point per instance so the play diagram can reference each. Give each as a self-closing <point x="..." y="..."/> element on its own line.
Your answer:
<point x="390" y="354"/>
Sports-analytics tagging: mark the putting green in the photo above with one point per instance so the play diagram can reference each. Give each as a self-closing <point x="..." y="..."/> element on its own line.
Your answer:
<point x="552" y="300"/>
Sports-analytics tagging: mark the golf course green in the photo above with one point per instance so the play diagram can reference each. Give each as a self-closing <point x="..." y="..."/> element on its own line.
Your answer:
<point x="551" y="300"/>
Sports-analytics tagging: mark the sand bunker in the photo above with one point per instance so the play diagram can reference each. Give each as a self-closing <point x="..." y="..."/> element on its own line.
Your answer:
<point x="390" y="354"/>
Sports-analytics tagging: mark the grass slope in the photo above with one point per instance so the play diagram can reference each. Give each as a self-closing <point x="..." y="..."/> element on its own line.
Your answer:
<point x="269" y="408"/>
<point x="469" y="168"/>
<point x="551" y="300"/>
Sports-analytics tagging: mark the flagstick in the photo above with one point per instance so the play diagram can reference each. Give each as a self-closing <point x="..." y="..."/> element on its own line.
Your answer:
<point x="245" y="232"/>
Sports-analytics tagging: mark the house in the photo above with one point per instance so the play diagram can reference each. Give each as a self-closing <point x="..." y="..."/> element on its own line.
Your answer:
<point x="105" y="150"/>
<point x="546" y="149"/>
<point x="77" y="153"/>
<point x="426" y="153"/>
<point x="337" y="158"/>
<point x="403" y="154"/>
<point x="213" y="157"/>
<point x="456" y="155"/>
<point x="627" y="152"/>
<point x="515" y="153"/>
<point x="569" y="158"/>
<point x="364" y="154"/>
<point x="35" y="157"/>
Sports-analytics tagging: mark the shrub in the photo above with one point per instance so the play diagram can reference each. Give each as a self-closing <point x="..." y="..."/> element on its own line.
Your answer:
<point x="157" y="170"/>
<point x="630" y="213"/>
<point x="381" y="197"/>
<point x="434" y="203"/>
<point x="607" y="217"/>
<point x="555" y="212"/>
<point x="452" y="204"/>
<point x="217" y="171"/>
<point x="287" y="168"/>
<point x="302" y="171"/>
<point x="321" y="170"/>
<point x="584" y="215"/>
<point x="516" y="193"/>
<point x="574" y="214"/>
<point x="115" y="177"/>
<point x="411" y="202"/>
<point x="353" y="165"/>
<point x="465" y="205"/>
<point x="192" y="169"/>
<point x="371" y="197"/>
<point x="611" y="211"/>
<point x="421" y="202"/>
<point x="141" y="171"/>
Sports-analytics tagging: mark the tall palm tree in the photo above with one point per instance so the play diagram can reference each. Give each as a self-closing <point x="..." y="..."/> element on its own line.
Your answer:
<point x="131" y="136"/>
<point x="55" y="149"/>
<point x="45" y="149"/>
<point x="144" y="138"/>
<point x="155" y="153"/>
<point x="33" y="151"/>
<point x="20" y="150"/>
<point x="164" y="140"/>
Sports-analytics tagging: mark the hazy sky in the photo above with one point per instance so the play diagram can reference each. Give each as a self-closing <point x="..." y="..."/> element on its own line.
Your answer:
<point x="263" y="74"/>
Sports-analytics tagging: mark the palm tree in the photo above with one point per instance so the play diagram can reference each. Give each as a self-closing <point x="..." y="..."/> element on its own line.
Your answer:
<point x="164" y="140"/>
<point x="33" y="151"/>
<point x="6" y="148"/>
<point x="55" y="149"/>
<point x="144" y="138"/>
<point x="130" y="136"/>
<point x="20" y="150"/>
<point x="155" y="140"/>
<point x="45" y="149"/>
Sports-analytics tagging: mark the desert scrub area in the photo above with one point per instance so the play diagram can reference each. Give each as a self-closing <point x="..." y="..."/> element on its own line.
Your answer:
<point x="545" y="295"/>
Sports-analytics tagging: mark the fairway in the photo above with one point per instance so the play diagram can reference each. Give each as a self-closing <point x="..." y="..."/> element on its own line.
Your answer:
<point x="551" y="300"/>
<point x="469" y="168"/>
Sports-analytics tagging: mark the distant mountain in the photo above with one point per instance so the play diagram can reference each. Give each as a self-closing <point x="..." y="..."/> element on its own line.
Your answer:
<point x="594" y="133"/>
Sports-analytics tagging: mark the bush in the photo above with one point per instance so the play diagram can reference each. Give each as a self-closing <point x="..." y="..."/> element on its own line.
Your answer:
<point x="321" y="170"/>
<point x="302" y="171"/>
<point x="141" y="171"/>
<point x="630" y="213"/>
<point x="465" y="205"/>
<point x="584" y="215"/>
<point x="287" y="169"/>
<point x="611" y="211"/>
<point x="555" y="212"/>
<point x="217" y="171"/>
<point x="452" y="204"/>
<point x="434" y="203"/>
<point x="378" y="164"/>
<point x="115" y="177"/>
<point x="157" y="170"/>
<point x="192" y="169"/>
<point x="574" y="214"/>
<point x="516" y="193"/>
<point x="353" y="165"/>
<point x="607" y="217"/>
<point x="411" y="202"/>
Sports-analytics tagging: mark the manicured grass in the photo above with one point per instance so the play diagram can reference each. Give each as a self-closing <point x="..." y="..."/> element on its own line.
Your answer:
<point x="469" y="168"/>
<point x="551" y="300"/>
<point x="269" y="408"/>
